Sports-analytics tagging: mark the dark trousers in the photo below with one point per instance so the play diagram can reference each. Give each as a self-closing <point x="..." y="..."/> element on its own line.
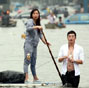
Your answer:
<point x="70" y="78"/>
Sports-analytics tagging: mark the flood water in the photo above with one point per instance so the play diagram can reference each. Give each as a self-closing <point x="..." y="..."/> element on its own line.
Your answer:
<point x="12" y="53"/>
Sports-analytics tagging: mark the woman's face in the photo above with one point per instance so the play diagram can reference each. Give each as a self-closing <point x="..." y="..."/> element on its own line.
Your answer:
<point x="35" y="15"/>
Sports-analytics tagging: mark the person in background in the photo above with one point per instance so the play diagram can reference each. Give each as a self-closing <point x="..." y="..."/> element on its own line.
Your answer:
<point x="81" y="8"/>
<point x="55" y="11"/>
<point x="5" y="19"/>
<point x="52" y="18"/>
<point x="8" y="12"/>
<point x="66" y="13"/>
<point x="71" y="55"/>
<point x="60" y="23"/>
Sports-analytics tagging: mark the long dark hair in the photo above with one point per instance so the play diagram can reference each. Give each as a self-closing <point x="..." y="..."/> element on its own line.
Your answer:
<point x="38" y="20"/>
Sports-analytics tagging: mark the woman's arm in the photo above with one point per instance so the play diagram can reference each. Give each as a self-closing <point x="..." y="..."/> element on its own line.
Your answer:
<point x="29" y="26"/>
<point x="43" y="40"/>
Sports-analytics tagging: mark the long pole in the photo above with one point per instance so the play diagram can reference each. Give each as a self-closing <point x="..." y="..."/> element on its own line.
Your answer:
<point x="52" y="56"/>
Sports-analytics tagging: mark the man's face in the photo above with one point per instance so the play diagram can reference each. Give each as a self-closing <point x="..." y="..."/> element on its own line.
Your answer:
<point x="71" y="38"/>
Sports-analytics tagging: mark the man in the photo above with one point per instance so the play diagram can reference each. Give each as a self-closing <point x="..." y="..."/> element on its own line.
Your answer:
<point x="52" y="18"/>
<point x="71" y="55"/>
<point x="60" y="23"/>
<point x="5" y="19"/>
<point x="51" y="21"/>
<point x="66" y="13"/>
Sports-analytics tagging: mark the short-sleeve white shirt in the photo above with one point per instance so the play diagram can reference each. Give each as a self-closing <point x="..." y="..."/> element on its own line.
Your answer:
<point x="51" y="19"/>
<point x="78" y="53"/>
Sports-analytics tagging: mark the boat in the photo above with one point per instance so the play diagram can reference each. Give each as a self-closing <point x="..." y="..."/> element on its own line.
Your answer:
<point x="53" y="26"/>
<point x="12" y="24"/>
<point x="50" y="26"/>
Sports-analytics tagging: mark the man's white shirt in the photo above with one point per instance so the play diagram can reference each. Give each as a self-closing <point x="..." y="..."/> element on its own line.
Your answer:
<point x="78" y="53"/>
<point x="51" y="19"/>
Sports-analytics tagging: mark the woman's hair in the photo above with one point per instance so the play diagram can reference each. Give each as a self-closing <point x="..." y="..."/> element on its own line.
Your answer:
<point x="38" y="20"/>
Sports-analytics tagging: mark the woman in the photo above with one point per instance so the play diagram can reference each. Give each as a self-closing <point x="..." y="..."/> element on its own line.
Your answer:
<point x="33" y="33"/>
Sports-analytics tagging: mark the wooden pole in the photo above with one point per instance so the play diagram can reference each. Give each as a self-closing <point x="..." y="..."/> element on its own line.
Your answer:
<point x="52" y="56"/>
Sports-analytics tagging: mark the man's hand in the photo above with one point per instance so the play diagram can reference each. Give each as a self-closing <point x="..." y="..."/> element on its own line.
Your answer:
<point x="71" y="60"/>
<point x="65" y="57"/>
<point x="62" y="58"/>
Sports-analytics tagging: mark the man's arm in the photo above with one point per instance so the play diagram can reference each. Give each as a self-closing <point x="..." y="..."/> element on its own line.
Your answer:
<point x="76" y="61"/>
<point x="62" y="58"/>
<point x="80" y="60"/>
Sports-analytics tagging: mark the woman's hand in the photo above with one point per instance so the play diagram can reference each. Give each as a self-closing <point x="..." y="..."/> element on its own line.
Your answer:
<point x="38" y="27"/>
<point x="44" y="41"/>
<point x="48" y="44"/>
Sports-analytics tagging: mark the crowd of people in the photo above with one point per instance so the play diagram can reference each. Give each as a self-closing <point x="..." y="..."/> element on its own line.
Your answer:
<point x="52" y="20"/>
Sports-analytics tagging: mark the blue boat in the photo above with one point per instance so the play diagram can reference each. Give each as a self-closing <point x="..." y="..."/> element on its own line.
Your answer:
<point x="80" y="18"/>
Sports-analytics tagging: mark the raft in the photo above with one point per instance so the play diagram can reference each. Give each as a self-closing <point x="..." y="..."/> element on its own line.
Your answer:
<point x="12" y="24"/>
<point x="53" y="26"/>
<point x="50" y="26"/>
